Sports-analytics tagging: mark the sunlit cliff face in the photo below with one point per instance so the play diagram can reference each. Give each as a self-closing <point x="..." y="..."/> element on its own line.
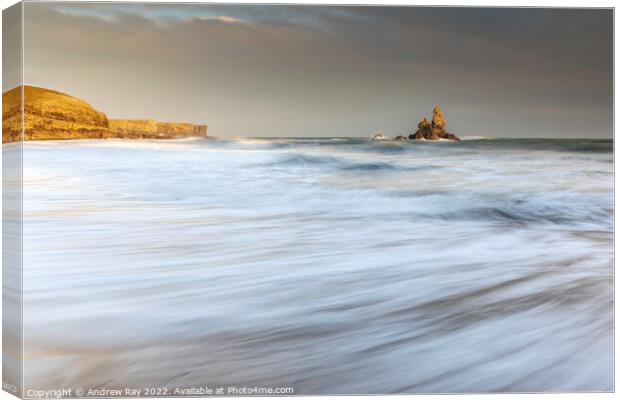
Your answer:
<point x="256" y="70"/>
<point x="52" y="115"/>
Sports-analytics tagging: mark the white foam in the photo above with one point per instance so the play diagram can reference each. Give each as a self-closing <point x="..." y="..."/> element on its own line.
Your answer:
<point x="475" y="137"/>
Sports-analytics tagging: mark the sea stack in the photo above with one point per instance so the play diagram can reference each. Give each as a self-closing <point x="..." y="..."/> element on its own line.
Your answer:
<point x="434" y="130"/>
<point x="423" y="132"/>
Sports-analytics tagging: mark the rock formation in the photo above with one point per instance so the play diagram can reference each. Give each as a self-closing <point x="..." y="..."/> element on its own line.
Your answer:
<point x="400" y="137"/>
<point x="423" y="132"/>
<point x="434" y="130"/>
<point x="438" y="123"/>
<point x="449" y="136"/>
<point x="51" y="115"/>
<point x="378" y="136"/>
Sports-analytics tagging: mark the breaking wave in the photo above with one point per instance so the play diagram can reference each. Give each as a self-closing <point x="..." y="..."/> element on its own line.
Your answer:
<point x="474" y="137"/>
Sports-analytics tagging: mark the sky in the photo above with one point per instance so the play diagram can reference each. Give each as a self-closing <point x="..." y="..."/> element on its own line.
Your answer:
<point x="286" y="70"/>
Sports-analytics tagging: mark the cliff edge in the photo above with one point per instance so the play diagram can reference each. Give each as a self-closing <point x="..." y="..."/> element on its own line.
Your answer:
<point x="151" y="129"/>
<point x="52" y="115"/>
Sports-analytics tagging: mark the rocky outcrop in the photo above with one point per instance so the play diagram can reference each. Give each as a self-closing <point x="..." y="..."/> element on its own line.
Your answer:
<point x="424" y="130"/>
<point x="417" y="136"/>
<point x="378" y="136"/>
<point x="449" y="136"/>
<point x="434" y="130"/>
<point x="51" y="115"/>
<point x="400" y="137"/>
<point x="438" y="124"/>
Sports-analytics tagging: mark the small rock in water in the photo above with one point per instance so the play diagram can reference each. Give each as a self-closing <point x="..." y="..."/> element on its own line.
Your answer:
<point x="378" y="136"/>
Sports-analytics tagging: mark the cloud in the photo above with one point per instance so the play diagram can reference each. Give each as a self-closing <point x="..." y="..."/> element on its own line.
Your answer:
<point x="225" y="19"/>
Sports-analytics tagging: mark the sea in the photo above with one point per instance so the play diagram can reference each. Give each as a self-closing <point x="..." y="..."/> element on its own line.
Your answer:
<point x="319" y="265"/>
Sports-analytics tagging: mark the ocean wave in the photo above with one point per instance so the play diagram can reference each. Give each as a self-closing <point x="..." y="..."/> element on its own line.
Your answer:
<point x="527" y="212"/>
<point x="121" y="144"/>
<point x="419" y="266"/>
<point x="370" y="166"/>
<point x="304" y="160"/>
<point x="385" y="147"/>
<point x="335" y="163"/>
<point x="475" y="137"/>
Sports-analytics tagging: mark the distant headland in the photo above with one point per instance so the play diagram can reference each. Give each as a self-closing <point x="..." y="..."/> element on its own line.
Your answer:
<point x="52" y="115"/>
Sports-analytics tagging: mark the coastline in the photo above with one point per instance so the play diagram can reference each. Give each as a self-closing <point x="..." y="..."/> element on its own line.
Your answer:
<point x="51" y="115"/>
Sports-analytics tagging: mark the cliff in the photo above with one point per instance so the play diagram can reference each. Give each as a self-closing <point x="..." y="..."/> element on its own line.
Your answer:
<point x="11" y="115"/>
<point x="51" y="115"/>
<point x="151" y="129"/>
